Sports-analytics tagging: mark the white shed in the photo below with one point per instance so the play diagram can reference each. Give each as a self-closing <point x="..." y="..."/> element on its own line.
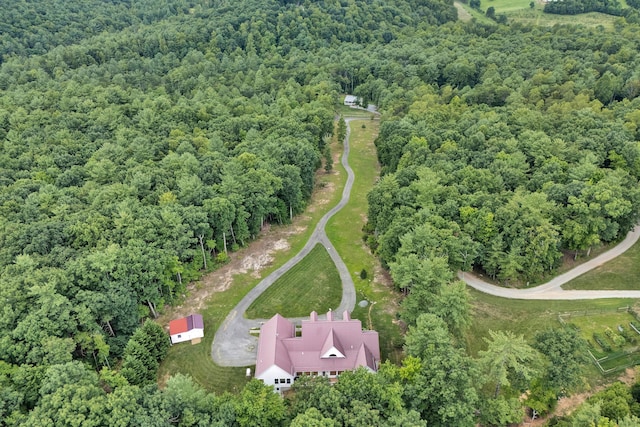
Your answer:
<point x="351" y="100"/>
<point x="190" y="328"/>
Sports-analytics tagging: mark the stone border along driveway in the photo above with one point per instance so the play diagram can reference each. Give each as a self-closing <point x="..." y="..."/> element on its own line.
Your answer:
<point x="552" y="290"/>
<point x="233" y="345"/>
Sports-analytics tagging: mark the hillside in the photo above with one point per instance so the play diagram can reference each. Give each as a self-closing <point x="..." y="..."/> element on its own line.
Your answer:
<point x="144" y="141"/>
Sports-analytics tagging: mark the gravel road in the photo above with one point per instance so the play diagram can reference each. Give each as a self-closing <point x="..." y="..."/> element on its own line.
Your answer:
<point x="552" y="290"/>
<point x="233" y="345"/>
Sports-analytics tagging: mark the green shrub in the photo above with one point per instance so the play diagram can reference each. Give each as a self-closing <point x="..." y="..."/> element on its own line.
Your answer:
<point x="602" y="342"/>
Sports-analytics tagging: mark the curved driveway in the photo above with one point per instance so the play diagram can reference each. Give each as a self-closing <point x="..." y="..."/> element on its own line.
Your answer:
<point x="552" y="290"/>
<point x="233" y="345"/>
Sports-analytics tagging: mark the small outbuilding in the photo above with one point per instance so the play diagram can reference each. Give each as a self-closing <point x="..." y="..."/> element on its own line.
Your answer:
<point x="190" y="328"/>
<point x="351" y="100"/>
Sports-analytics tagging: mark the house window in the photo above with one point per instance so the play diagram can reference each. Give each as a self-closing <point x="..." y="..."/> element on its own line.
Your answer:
<point x="333" y="373"/>
<point x="288" y="380"/>
<point x="179" y="336"/>
<point x="281" y="380"/>
<point x="275" y="381"/>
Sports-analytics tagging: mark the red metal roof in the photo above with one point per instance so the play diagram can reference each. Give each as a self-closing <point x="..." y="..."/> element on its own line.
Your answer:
<point x="184" y="324"/>
<point x="178" y="326"/>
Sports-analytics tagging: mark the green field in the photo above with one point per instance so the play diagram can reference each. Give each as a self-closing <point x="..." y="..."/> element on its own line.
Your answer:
<point x="525" y="317"/>
<point x="345" y="232"/>
<point x="314" y="281"/>
<point x="621" y="273"/>
<point x="196" y="360"/>
<point x="520" y="11"/>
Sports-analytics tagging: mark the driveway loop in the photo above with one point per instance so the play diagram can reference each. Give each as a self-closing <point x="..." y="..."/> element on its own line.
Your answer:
<point x="233" y="345"/>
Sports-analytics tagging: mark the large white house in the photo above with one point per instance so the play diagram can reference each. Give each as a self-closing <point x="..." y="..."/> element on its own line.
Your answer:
<point x="326" y="347"/>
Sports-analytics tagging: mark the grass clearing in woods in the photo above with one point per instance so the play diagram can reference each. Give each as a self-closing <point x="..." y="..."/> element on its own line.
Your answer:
<point x="621" y="273"/>
<point x="345" y="232"/>
<point x="520" y="11"/>
<point x="527" y="317"/>
<point x="196" y="360"/>
<point x="312" y="284"/>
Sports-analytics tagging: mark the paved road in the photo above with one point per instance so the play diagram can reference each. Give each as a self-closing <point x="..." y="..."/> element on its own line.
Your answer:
<point x="233" y="345"/>
<point x="552" y="290"/>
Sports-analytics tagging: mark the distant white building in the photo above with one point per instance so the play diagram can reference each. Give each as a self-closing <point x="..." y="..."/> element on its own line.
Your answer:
<point x="190" y="328"/>
<point x="351" y="100"/>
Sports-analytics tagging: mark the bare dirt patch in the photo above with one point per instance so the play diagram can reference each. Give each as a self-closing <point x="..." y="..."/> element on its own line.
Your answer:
<point x="325" y="194"/>
<point x="252" y="259"/>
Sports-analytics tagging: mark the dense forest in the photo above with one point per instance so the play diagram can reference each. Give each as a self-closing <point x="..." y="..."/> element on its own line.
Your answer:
<point x="144" y="140"/>
<point x="571" y="7"/>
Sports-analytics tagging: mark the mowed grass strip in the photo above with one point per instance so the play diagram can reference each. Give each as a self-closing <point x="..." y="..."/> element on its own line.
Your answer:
<point x="621" y="273"/>
<point x="312" y="284"/>
<point x="345" y="232"/>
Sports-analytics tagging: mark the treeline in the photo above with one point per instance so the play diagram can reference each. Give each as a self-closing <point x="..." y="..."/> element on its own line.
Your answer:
<point x="35" y="27"/>
<point x="136" y="154"/>
<point x="574" y="7"/>
<point x="503" y="167"/>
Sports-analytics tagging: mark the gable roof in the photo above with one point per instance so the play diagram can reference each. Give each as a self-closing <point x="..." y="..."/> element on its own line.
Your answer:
<point x="184" y="324"/>
<point x="332" y="343"/>
<point x="271" y="350"/>
<point x="312" y="351"/>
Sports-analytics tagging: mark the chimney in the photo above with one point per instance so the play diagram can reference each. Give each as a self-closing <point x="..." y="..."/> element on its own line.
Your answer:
<point x="313" y="316"/>
<point x="330" y="315"/>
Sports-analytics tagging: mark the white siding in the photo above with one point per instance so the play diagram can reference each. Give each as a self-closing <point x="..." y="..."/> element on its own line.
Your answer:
<point x="275" y="372"/>
<point x="187" y="336"/>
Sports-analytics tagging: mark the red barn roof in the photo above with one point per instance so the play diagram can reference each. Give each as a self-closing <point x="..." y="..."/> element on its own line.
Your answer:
<point x="185" y="324"/>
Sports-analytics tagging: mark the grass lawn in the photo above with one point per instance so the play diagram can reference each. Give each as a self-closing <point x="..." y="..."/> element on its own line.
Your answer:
<point x="345" y="232"/>
<point x="621" y="273"/>
<point x="505" y="6"/>
<point x="347" y="111"/>
<point x="314" y="281"/>
<point x="525" y="317"/>
<point x="195" y="360"/>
